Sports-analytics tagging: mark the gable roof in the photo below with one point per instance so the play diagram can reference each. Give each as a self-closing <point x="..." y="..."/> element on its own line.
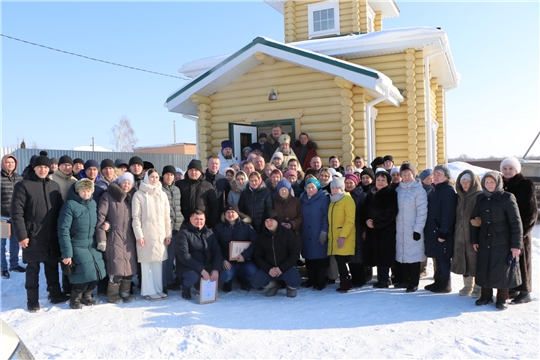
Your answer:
<point x="374" y="82"/>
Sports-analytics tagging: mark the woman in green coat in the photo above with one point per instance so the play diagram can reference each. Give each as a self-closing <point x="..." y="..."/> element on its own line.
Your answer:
<point x="76" y="227"/>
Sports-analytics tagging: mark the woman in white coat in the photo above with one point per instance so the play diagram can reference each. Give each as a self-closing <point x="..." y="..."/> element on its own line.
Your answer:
<point x="152" y="228"/>
<point x="410" y="222"/>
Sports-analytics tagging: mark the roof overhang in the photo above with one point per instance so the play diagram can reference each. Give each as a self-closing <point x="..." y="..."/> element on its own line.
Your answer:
<point x="375" y="83"/>
<point x="388" y="8"/>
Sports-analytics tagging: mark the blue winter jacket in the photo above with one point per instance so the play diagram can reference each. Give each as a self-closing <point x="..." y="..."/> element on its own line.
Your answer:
<point x="315" y="214"/>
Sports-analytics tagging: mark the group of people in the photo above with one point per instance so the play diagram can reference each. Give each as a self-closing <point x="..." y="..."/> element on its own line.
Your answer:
<point x="110" y="222"/>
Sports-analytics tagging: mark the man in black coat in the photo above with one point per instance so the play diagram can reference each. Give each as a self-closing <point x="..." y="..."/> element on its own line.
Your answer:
<point x="272" y="143"/>
<point x="276" y="253"/>
<point x="35" y="207"/>
<point x="196" y="193"/>
<point x="197" y="253"/>
<point x="219" y="182"/>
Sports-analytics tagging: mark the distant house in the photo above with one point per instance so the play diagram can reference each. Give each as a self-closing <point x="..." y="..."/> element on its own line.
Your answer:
<point x="355" y="88"/>
<point x="91" y="148"/>
<point x="178" y="148"/>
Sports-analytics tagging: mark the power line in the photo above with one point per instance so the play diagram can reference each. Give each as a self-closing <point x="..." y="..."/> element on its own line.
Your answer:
<point x="90" y="58"/>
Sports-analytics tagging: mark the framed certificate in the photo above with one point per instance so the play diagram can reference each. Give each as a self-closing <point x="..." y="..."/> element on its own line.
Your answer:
<point x="5" y="230"/>
<point x="208" y="291"/>
<point x="237" y="248"/>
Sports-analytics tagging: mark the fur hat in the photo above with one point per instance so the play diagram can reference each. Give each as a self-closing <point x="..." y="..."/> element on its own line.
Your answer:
<point x="338" y="182"/>
<point x="168" y="169"/>
<point x="376" y="162"/>
<point x="444" y="168"/>
<point x="226" y="144"/>
<point x="513" y="162"/>
<point x="424" y="174"/>
<point x="41" y="160"/>
<point x="84" y="184"/>
<point x="368" y="172"/>
<point x="407" y="166"/>
<point x="126" y="176"/>
<point x="195" y="164"/>
<point x="352" y="177"/>
<point x="107" y="163"/>
<point x="91" y="163"/>
<point x="284" y="138"/>
<point x="65" y="159"/>
<point x="135" y="160"/>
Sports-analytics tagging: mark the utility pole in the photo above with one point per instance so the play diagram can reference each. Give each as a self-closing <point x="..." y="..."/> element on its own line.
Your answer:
<point x="92" y="143"/>
<point x="174" y="130"/>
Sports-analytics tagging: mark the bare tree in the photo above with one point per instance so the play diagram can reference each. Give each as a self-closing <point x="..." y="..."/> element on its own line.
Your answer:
<point x="124" y="138"/>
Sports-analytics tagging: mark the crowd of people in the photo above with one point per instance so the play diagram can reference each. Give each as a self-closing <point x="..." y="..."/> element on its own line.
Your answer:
<point x="116" y="225"/>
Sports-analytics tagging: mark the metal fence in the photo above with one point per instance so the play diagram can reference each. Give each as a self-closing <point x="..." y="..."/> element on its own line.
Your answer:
<point x="158" y="160"/>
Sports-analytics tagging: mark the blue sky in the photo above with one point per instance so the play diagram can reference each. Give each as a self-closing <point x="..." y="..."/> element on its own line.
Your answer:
<point x="60" y="101"/>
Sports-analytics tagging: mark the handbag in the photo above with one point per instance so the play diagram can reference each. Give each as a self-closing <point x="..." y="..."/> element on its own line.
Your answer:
<point x="68" y="269"/>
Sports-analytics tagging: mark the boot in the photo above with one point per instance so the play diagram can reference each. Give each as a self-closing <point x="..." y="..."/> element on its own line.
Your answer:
<point x="523" y="298"/>
<point x="32" y="304"/>
<point x="273" y="288"/>
<point x="468" y="282"/>
<point x="186" y="292"/>
<point x="433" y="285"/>
<point x="445" y="286"/>
<point x="87" y="298"/>
<point x="57" y="296"/>
<point x="125" y="293"/>
<point x="113" y="293"/>
<point x="227" y="286"/>
<point x="344" y="286"/>
<point x="75" y="299"/>
<point x="476" y="291"/>
<point x="502" y="297"/>
<point x="486" y="297"/>
<point x="291" y="292"/>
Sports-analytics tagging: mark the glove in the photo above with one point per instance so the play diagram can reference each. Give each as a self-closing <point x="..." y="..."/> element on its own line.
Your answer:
<point x="476" y="222"/>
<point x="340" y="242"/>
<point x="416" y="236"/>
<point x="101" y="246"/>
<point x="322" y="238"/>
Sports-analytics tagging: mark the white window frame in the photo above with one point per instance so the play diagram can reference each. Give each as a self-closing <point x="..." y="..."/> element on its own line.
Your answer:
<point x="370" y="19"/>
<point x="332" y="4"/>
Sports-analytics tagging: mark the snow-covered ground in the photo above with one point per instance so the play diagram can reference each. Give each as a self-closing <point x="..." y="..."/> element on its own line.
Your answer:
<point x="364" y="323"/>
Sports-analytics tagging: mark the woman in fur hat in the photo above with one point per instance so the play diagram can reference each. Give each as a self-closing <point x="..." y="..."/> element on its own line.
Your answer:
<point x="523" y="190"/>
<point x="76" y="226"/>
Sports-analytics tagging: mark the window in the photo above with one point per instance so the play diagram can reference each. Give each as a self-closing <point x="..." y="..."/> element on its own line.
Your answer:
<point x="323" y="19"/>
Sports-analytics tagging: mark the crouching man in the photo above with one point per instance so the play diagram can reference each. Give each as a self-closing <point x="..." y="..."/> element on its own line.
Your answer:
<point x="276" y="253"/>
<point x="197" y="253"/>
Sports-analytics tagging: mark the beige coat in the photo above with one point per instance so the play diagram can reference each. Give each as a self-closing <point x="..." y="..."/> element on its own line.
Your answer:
<point x="65" y="182"/>
<point x="151" y="221"/>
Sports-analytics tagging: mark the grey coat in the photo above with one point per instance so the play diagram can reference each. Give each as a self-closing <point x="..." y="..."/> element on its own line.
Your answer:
<point x="412" y="215"/>
<point x="464" y="259"/>
<point x="120" y="254"/>
<point x="173" y="194"/>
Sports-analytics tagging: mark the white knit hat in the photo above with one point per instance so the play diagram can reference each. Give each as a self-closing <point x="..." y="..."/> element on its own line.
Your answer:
<point x="513" y="162"/>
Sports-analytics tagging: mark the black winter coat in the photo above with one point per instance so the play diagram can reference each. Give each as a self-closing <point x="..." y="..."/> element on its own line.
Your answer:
<point x="199" y="194"/>
<point x="255" y="204"/>
<point x="240" y="231"/>
<point x="500" y="231"/>
<point x="197" y="250"/>
<point x="380" y="243"/>
<point x="7" y="184"/>
<point x="221" y="187"/>
<point x="440" y="223"/>
<point x="34" y="210"/>
<point x="173" y="194"/>
<point x="276" y="249"/>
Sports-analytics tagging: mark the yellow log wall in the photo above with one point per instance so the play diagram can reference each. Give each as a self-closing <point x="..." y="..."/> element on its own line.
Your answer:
<point x="378" y="21"/>
<point x="441" y="132"/>
<point x="289" y="18"/>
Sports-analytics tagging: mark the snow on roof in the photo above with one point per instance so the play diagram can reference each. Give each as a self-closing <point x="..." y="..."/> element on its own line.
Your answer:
<point x="457" y="167"/>
<point x="91" y="148"/>
<point x="384" y="42"/>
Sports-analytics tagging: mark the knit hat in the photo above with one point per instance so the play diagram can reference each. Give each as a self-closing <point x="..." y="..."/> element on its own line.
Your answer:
<point x="119" y="163"/>
<point x="284" y="138"/>
<point x="126" y="176"/>
<point x="262" y="135"/>
<point x="338" y="182"/>
<point x="255" y="146"/>
<point x="195" y="164"/>
<point x="65" y="159"/>
<point x="352" y="177"/>
<point x="179" y="171"/>
<point x="78" y="161"/>
<point x="444" y="169"/>
<point x="107" y="163"/>
<point x="277" y="154"/>
<point x="313" y="181"/>
<point x="232" y="207"/>
<point x="283" y="184"/>
<point x="465" y="176"/>
<point x="147" y="165"/>
<point x="271" y="214"/>
<point x="168" y="169"/>
<point x="388" y="157"/>
<point x="424" y="174"/>
<point x="41" y="160"/>
<point x="84" y="184"/>
<point x="91" y="163"/>
<point x="136" y="161"/>
<point x="54" y="160"/>
<point x="246" y="148"/>
<point x="376" y="162"/>
<point x="368" y="172"/>
<point x="513" y="162"/>
<point x="385" y="174"/>
<point x="289" y="173"/>
<point x="226" y="144"/>
<point x="407" y="166"/>
<point x="394" y="170"/>
<point x="335" y="173"/>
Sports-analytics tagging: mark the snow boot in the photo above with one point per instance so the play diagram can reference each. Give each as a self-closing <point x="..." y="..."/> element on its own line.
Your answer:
<point x="344" y="286"/>
<point x="227" y="286"/>
<point x="113" y="293"/>
<point x="502" y="297"/>
<point x="186" y="292"/>
<point x="433" y="285"/>
<point x="291" y="292"/>
<point x="445" y="286"/>
<point x="485" y="298"/>
<point x="468" y="287"/>
<point x="75" y="299"/>
<point x="125" y="291"/>
<point x="87" y="298"/>
<point x="33" y="300"/>
<point x="476" y="291"/>
<point x="273" y="287"/>
<point x="56" y="295"/>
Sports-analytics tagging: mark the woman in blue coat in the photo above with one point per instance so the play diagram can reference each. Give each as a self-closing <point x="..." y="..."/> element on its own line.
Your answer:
<point x="315" y="233"/>
<point x="76" y="227"/>
<point x="439" y="230"/>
